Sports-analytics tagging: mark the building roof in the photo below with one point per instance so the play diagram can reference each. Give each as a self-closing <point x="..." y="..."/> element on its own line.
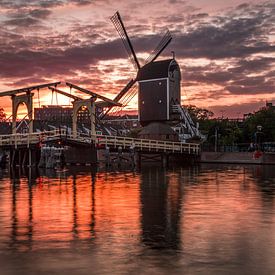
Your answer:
<point x="157" y="128"/>
<point x="154" y="70"/>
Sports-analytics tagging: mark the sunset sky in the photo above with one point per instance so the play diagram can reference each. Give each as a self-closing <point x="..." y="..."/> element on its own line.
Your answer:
<point x="225" y="49"/>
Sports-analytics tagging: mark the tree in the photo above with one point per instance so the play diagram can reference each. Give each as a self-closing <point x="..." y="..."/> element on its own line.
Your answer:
<point x="265" y="117"/>
<point x="227" y="132"/>
<point x="198" y="114"/>
<point x="2" y="115"/>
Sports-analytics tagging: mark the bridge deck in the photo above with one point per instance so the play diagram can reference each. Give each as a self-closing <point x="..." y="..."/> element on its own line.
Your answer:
<point x="26" y="140"/>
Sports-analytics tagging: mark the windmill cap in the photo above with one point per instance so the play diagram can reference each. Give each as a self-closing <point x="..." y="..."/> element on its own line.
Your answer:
<point x="157" y="69"/>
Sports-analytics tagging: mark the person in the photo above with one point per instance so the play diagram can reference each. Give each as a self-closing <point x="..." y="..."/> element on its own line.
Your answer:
<point x="251" y="147"/>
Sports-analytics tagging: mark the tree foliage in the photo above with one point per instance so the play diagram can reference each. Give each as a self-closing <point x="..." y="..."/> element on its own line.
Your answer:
<point x="265" y="117"/>
<point x="198" y="114"/>
<point x="227" y="132"/>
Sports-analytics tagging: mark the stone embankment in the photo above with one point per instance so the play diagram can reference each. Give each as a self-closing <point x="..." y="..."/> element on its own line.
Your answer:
<point x="238" y="157"/>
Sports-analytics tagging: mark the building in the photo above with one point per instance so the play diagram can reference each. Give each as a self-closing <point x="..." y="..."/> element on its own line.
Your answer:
<point x="60" y="114"/>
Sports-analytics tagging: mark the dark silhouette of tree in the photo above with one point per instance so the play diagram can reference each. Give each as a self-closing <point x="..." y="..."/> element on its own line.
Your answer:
<point x="198" y="114"/>
<point x="265" y="117"/>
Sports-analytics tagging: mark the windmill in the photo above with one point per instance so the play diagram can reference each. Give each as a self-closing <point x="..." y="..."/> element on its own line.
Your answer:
<point x="159" y="94"/>
<point x="129" y="91"/>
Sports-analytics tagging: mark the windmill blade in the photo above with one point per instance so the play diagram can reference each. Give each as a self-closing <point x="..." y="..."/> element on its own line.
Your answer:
<point x="125" y="100"/>
<point x="117" y="21"/>
<point x="160" y="47"/>
<point x="128" y="97"/>
<point x="120" y="95"/>
<point x="125" y="90"/>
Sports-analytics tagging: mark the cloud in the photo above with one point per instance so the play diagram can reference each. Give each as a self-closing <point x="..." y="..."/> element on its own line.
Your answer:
<point x="24" y="22"/>
<point x="44" y="3"/>
<point x="82" y="2"/>
<point x="257" y="87"/>
<point x="17" y="4"/>
<point x="237" y="110"/>
<point x="253" y="76"/>
<point x="233" y="35"/>
<point x="29" y="62"/>
<point x="40" y="13"/>
<point x="39" y="41"/>
<point x="246" y="66"/>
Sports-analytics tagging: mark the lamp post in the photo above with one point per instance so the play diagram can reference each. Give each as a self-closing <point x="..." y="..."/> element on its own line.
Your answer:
<point x="259" y="137"/>
<point x="216" y="139"/>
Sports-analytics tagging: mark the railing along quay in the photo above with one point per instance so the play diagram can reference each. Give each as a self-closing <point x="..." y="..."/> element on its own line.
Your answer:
<point x="112" y="141"/>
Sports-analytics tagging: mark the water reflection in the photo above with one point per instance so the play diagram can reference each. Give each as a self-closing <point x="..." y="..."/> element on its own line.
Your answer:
<point x="208" y="218"/>
<point x="161" y="195"/>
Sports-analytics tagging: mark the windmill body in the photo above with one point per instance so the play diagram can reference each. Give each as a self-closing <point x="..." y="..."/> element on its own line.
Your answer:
<point x="159" y="90"/>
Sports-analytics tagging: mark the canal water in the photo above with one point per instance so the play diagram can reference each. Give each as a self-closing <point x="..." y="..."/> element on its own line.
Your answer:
<point x="207" y="219"/>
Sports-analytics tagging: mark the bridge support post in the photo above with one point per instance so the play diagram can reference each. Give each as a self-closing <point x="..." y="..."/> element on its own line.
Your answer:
<point x="20" y="157"/>
<point x="16" y="101"/>
<point x="164" y="158"/>
<point x="24" y="158"/>
<point x="90" y="105"/>
<point x="12" y="157"/>
<point x="30" y="157"/>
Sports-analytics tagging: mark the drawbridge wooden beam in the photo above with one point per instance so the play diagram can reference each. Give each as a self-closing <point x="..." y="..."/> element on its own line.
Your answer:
<point x="110" y="101"/>
<point x="27" y="89"/>
<point x="74" y="97"/>
<point x="101" y="104"/>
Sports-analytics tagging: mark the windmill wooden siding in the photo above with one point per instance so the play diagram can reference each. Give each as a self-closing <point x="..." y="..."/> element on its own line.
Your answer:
<point x="159" y="88"/>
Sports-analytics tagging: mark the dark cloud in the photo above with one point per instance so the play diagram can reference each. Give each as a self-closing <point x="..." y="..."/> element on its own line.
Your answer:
<point x="27" y="17"/>
<point x="27" y="62"/>
<point x="24" y="82"/>
<point x="206" y="75"/>
<point x="246" y="66"/>
<point x="40" y="13"/>
<point x="22" y="22"/>
<point x="238" y="35"/>
<point x="17" y="4"/>
<point x="252" y="88"/>
<point x="44" y="3"/>
<point x="82" y="2"/>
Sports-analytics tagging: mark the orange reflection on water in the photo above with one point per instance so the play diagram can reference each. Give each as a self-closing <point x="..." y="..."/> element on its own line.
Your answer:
<point x="53" y="212"/>
<point x="117" y="201"/>
<point x="220" y="212"/>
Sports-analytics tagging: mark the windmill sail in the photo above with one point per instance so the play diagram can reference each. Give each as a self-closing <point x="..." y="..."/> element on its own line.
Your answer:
<point x="124" y="93"/>
<point x="117" y="21"/>
<point x="125" y="90"/>
<point x="160" y="47"/>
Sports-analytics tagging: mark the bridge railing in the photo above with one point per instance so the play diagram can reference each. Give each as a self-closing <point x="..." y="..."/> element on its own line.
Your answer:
<point x="142" y="144"/>
<point x="146" y="144"/>
<point x="115" y="141"/>
<point x="27" y="139"/>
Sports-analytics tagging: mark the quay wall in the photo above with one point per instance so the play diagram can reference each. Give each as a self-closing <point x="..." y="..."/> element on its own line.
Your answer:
<point x="237" y="157"/>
